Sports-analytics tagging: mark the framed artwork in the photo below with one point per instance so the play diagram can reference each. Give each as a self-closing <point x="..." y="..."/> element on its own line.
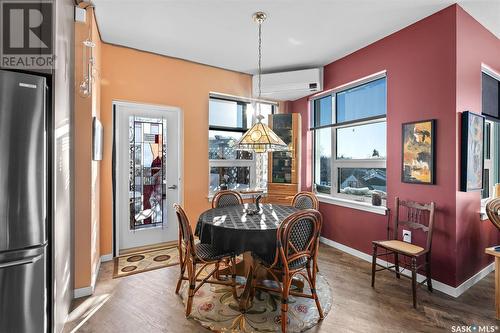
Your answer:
<point x="418" y="152"/>
<point x="472" y="158"/>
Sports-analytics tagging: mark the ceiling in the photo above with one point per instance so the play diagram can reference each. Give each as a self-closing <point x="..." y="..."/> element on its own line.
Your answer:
<point x="297" y="34"/>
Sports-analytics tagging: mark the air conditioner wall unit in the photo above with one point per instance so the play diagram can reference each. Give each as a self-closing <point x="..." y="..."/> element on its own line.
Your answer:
<point x="289" y="86"/>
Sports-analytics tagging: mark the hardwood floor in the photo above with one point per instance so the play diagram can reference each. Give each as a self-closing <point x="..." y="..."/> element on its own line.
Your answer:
<point x="146" y="302"/>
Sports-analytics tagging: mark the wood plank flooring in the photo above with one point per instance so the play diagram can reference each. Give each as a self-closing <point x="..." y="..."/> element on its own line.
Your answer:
<point x="146" y="302"/>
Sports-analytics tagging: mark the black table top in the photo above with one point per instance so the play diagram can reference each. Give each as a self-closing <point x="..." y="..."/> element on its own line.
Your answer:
<point x="231" y="229"/>
<point x="235" y="217"/>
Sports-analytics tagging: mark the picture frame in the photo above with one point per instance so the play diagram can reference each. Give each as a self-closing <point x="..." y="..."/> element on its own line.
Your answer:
<point x="97" y="139"/>
<point x="472" y="152"/>
<point x="418" y="160"/>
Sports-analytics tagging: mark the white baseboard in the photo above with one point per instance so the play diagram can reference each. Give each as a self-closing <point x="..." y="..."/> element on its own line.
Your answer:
<point x="95" y="274"/>
<point x="442" y="287"/>
<point x="107" y="257"/>
<point x="83" y="292"/>
<point x="474" y="279"/>
<point x="88" y="291"/>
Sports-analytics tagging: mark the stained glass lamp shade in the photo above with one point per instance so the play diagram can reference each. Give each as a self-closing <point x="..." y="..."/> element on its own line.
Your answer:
<point x="260" y="138"/>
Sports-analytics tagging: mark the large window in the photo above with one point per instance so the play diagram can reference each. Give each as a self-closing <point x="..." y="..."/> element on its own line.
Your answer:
<point x="230" y="168"/>
<point x="350" y="140"/>
<point x="490" y="109"/>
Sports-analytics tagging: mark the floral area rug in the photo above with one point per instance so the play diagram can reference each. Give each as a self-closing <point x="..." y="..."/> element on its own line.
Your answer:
<point x="143" y="261"/>
<point x="215" y="308"/>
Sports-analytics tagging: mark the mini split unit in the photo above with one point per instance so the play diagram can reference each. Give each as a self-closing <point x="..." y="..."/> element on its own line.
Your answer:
<point x="289" y="86"/>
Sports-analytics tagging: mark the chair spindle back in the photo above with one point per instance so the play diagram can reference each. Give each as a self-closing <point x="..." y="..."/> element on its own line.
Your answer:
<point x="416" y="216"/>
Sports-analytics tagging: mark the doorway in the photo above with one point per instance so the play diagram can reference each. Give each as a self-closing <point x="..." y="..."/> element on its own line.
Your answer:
<point x="147" y="167"/>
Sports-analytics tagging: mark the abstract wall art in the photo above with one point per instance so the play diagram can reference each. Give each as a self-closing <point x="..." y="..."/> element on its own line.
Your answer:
<point x="418" y="152"/>
<point x="472" y="152"/>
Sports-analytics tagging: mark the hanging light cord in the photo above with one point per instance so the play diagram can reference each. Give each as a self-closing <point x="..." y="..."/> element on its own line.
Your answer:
<point x="259" y="115"/>
<point x="260" y="59"/>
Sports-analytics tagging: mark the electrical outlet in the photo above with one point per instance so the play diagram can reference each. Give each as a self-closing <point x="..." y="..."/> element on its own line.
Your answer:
<point x="406" y="236"/>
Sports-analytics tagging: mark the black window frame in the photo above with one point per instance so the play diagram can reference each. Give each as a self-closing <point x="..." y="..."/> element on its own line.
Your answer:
<point x="243" y="103"/>
<point x="335" y="186"/>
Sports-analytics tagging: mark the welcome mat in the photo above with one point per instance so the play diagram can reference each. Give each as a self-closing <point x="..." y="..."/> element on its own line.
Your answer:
<point x="144" y="261"/>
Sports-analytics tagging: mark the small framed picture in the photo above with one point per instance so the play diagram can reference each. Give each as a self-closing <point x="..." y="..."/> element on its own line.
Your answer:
<point x="472" y="152"/>
<point x="418" y="165"/>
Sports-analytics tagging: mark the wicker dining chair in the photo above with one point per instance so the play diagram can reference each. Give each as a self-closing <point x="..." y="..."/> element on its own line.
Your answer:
<point x="226" y="198"/>
<point x="413" y="216"/>
<point x="305" y="200"/>
<point x="191" y="254"/>
<point x="492" y="210"/>
<point x="296" y="251"/>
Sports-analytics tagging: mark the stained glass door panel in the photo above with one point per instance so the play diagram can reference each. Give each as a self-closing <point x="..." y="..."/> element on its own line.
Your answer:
<point x="147" y="171"/>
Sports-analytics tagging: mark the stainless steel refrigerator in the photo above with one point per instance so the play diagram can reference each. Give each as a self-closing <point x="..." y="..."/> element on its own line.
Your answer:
<point x="23" y="203"/>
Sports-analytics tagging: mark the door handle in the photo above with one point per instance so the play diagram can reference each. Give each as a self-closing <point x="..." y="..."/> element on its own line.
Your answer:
<point x="172" y="187"/>
<point x="21" y="262"/>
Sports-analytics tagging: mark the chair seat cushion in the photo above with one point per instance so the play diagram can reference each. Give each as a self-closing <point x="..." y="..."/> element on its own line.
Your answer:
<point x="400" y="246"/>
<point x="268" y="260"/>
<point x="208" y="252"/>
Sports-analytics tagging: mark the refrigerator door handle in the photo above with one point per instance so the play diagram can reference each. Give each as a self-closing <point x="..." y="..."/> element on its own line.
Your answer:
<point x="21" y="262"/>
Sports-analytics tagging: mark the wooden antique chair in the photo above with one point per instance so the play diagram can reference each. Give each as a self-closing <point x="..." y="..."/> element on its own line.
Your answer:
<point x="296" y="251"/>
<point x="191" y="254"/>
<point x="414" y="216"/>
<point x="226" y="198"/>
<point x="305" y="200"/>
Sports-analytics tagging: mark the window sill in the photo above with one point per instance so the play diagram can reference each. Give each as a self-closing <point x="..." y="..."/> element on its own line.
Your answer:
<point x="483" y="216"/>
<point x="364" y="206"/>
<point x="482" y="213"/>
<point x="243" y="195"/>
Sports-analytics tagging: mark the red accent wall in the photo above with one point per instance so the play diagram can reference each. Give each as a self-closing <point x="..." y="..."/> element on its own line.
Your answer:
<point x="475" y="46"/>
<point x="421" y="65"/>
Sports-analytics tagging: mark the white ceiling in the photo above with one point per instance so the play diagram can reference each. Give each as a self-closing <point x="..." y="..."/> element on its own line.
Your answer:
<point x="297" y="33"/>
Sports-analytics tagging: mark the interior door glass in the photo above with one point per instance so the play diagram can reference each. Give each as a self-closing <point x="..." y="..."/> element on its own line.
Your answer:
<point x="282" y="160"/>
<point x="147" y="172"/>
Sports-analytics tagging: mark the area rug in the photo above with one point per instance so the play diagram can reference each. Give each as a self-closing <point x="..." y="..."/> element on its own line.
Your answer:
<point x="144" y="261"/>
<point x="215" y="308"/>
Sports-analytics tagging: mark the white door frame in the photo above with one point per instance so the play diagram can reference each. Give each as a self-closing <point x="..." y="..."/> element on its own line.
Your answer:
<point x="180" y="162"/>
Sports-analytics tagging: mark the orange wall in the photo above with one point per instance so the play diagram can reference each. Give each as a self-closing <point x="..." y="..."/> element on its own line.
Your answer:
<point x="95" y="165"/>
<point x="87" y="180"/>
<point x="132" y="75"/>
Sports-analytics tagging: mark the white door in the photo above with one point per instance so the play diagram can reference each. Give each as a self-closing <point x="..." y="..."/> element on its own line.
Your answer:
<point x="147" y="164"/>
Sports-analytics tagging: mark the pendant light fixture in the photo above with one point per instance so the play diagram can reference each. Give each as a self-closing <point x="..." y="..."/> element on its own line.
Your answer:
<point x="260" y="138"/>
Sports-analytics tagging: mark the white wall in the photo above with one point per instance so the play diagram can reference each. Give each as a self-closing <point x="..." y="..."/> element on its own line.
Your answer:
<point x="62" y="237"/>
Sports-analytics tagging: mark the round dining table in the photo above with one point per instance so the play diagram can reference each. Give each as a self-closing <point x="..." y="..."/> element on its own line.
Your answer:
<point x="232" y="229"/>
